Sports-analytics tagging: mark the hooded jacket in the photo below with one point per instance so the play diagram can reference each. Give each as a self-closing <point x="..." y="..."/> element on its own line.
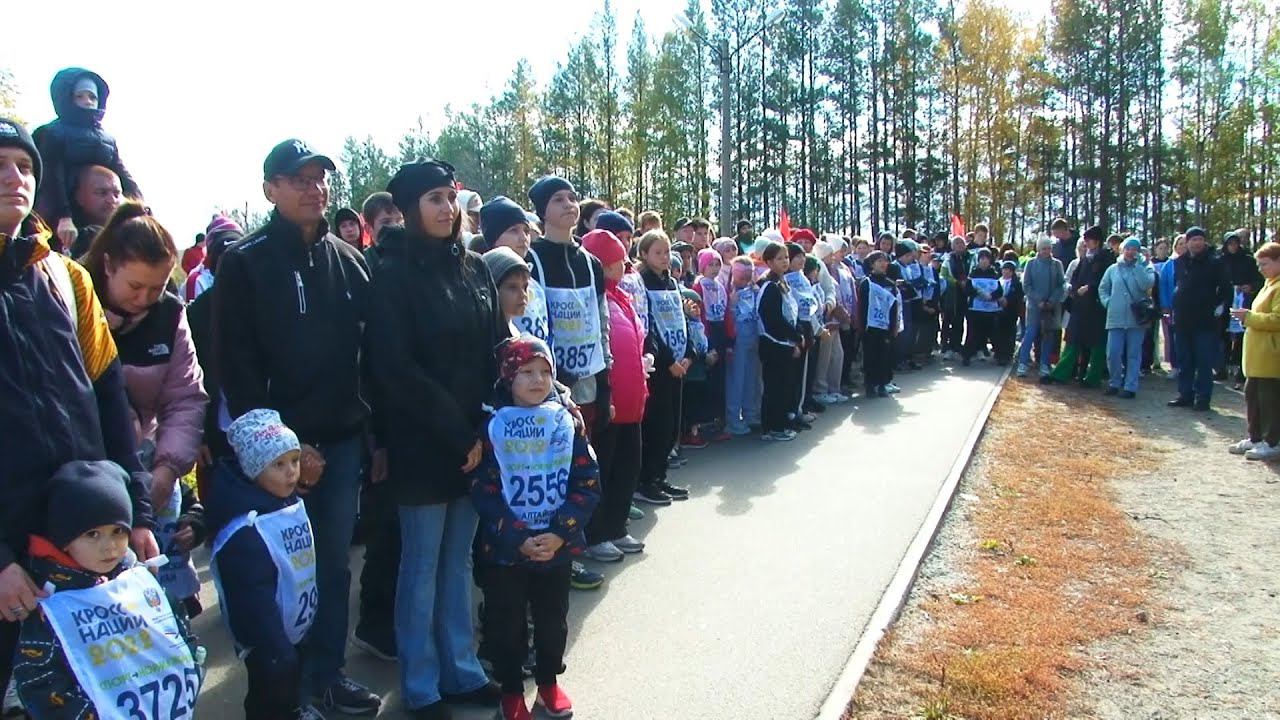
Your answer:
<point x="62" y="388"/>
<point x="73" y="140"/>
<point x="628" y="340"/>
<point x="288" y="318"/>
<point x="1242" y="269"/>
<point x="434" y="321"/>
<point x="249" y="580"/>
<point x="45" y="682"/>
<point x="1124" y="284"/>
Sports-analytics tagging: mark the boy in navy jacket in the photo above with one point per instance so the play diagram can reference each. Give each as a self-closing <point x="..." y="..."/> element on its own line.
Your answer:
<point x="260" y="483"/>
<point x="534" y="491"/>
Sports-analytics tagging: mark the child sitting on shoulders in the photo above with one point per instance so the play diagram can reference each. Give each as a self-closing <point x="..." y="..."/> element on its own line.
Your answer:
<point x="534" y="490"/>
<point x="107" y="636"/>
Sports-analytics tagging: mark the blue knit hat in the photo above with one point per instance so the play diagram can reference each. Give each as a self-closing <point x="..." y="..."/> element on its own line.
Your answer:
<point x="542" y="190"/>
<point x="614" y="223"/>
<point x="1132" y="242"/>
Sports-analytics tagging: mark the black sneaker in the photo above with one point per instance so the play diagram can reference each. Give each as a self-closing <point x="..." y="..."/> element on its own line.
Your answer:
<point x="378" y="642"/>
<point x="1111" y="391"/>
<point x="1128" y="395"/>
<point x="675" y="492"/>
<point x="651" y="495"/>
<point x="580" y="578"/>
<point x="350" y="698"/>
<point x="302" y="712"/>
<point x="1181" y="402"/>
<point x="1201" y="406"/>
<point x="487" y="695"/>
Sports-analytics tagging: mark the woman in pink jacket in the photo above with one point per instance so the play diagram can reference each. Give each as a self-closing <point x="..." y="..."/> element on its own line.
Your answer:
<point x="130" y="261"/>
<point x="617" y="446"/>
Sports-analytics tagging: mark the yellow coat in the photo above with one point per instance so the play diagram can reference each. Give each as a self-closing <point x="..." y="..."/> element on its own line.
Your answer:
<point x="1262" y="333"/>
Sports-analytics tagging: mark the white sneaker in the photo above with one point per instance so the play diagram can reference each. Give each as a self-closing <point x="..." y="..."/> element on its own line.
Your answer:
<point x="628" y="544"/>
<point x="1264" y="452"/>
<point x="1242" y="447"/>
<point x="1022" y="369"/>
<point x="1173" y="374"/>
<point x="604" y="552"/>
<point x="891" y="388"/>
<point x="948" y="355"/>
<point x="841" y="398"/>
<point x="824" y="399"/>
<point x="809" y="418"/>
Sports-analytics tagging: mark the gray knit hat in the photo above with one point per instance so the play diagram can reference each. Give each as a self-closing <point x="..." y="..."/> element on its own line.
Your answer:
<point x="502" y="261"/>
<point x="258" y="438"/>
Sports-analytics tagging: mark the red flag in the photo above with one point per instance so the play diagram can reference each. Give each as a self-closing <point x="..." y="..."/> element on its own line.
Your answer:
<point x="957" y="226"/>
<point x="784" y="224"/>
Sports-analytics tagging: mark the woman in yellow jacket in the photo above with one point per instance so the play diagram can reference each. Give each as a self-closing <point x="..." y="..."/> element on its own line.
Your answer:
<point x="1262" y="361"/>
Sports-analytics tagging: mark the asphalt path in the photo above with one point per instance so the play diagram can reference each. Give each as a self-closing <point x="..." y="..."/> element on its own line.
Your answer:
<point x="751" y="595"/>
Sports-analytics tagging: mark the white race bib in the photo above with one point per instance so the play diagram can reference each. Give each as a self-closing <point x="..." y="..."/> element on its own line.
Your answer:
<point x="805" y="297"/>
<point x="988" y="286"/>
<point x="574" y="320"/>
<point x="534" y="450"/>
<point x="178" y="576"/>
<point x="123" y="644"/>
<point x="698" y="336"/>
<point x="880" y="302"/>
<point x="633" y="285"/>
<point x="667" y="309"/>
<point x="846" y="289"/>
<point x="744" y="308"/>
<point x="287" y="536"/>
<point x="714" y="298"/>
<point x="534" y="320"/>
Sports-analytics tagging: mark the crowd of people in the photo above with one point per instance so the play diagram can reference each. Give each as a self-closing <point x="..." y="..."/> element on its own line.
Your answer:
<point x="493" y="391"/>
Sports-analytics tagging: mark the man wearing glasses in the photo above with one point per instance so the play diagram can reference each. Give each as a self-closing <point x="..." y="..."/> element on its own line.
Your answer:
<point x="288" y="312"/>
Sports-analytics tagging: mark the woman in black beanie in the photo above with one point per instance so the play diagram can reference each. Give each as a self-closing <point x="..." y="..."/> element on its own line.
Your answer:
<point x="433" y="323"/>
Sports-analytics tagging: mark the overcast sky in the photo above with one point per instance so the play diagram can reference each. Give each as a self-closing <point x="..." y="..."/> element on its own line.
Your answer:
<point x="201" y="91"/>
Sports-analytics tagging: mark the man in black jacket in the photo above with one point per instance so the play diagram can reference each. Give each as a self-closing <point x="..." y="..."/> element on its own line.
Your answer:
<point x="288" y="318"/>
<point x="1201" y="295"/>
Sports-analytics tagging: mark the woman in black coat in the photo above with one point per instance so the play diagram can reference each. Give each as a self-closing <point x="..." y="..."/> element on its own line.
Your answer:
<point x="434" y="320"/>
<point x="1085" y="354"/>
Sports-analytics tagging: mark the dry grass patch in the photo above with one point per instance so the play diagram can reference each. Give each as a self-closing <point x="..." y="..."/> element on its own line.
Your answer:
<point x="1055" y="565"/>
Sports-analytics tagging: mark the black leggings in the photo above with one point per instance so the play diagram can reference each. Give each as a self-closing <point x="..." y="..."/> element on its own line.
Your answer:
<point x="877" y="358"/>
<point x="511" y="595"/>
<point x="658" y="432"/>
<point x="982" y="327"/>
<point x="618" y="450"/>
<point x="777" y="371"/>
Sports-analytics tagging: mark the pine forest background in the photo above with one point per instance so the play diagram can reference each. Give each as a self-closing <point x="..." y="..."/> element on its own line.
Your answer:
<point x="864" y="115"/>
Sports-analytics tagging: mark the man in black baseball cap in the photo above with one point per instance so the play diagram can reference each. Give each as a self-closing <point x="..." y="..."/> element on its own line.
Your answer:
<point x="287" y="333"/>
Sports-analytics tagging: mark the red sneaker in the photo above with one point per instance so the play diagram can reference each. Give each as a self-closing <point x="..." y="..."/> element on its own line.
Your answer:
<point x="554" y="702"/>
<point x="692" y="442"/>
<point x="514" y="707"/>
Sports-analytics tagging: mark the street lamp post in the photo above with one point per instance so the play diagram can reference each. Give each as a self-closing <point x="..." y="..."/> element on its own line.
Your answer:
<point x="724" y="63"/>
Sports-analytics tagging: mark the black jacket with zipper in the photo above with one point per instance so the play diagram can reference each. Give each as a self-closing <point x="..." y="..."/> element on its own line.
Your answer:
<point x="1201" y="286"/>
<point x="288" y="321"/>
<point x="434" y="321"/>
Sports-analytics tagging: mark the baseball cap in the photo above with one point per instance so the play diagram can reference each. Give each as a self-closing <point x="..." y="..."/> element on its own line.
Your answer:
<point x="290" y="156"/>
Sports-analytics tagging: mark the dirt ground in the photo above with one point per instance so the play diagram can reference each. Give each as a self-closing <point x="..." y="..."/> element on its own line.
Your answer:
<point x="1199" y="635"/>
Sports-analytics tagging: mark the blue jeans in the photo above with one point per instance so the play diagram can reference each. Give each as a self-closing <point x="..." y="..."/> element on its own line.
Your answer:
<point x="1124" y="356"/>
<point x="1034" y="333"/>
<point x="434" y="633"/>
<point x="742" y="384"/>
<point x="331" y="506"/>
<point x="1198" y="353"/>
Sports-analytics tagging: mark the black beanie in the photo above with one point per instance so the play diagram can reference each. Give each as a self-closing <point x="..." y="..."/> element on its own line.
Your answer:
<point x="416" y="179"/>
<point x="84" y="495"/>
<point x="614" y="222"/>
<point x="794" y="249"/>
<point x="12" y="134"/>
<point x="870" y="260"/>
<point x="1094" y="233"/>
<point x="542" y="190"/>
<point x="498" y="216"/>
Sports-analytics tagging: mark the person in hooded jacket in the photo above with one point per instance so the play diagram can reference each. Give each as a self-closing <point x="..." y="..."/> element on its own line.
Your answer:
<point x="56" y="347"/>
<point x="351" y="228"/>
<point x="73" y="140"/>
<point x="1085" y="354"/>
<point x="434" y="321"/>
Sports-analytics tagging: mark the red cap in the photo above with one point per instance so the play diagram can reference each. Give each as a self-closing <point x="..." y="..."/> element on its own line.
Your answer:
<point x="606" y="246"/>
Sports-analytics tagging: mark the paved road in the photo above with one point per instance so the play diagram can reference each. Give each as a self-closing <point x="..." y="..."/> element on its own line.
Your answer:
<point x="752" y="594"/>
